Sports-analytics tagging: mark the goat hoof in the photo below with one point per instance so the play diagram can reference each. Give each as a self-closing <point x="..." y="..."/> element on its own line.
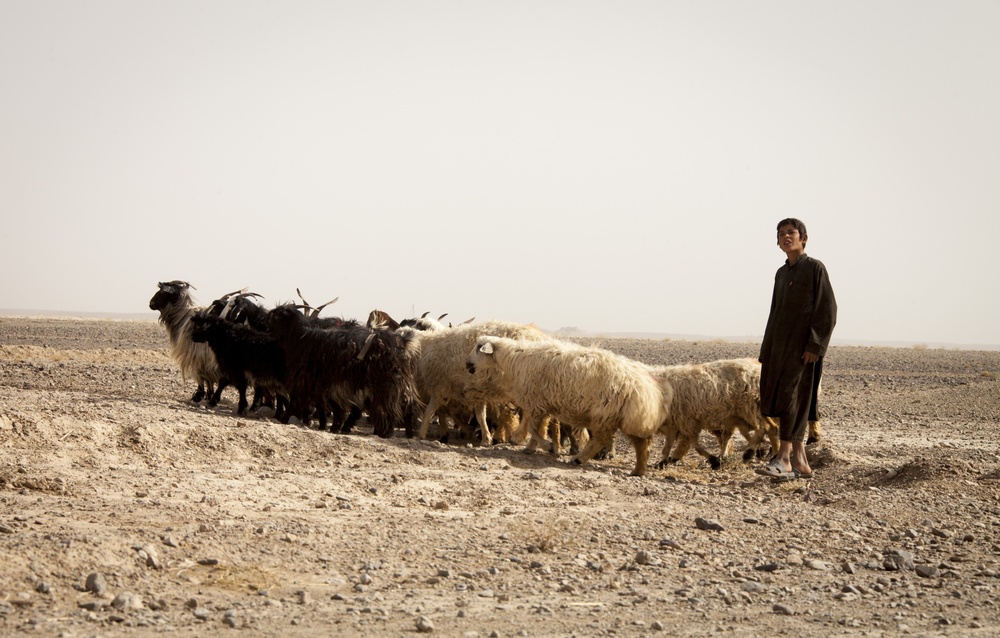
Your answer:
<point x="576" y="462"/>
<point x="813" y="439"/>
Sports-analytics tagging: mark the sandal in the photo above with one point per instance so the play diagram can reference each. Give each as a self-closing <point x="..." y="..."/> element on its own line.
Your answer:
<point x="793" y="475"/>
<point x="774" y="470"/>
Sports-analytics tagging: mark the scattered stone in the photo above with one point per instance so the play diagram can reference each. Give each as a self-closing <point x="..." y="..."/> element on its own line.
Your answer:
<point x="4" y="529"/>
<point x="818" y="565"/>
<point x="152" y="556"/>
<point x="657" y="626"/>
<point x="201" y="613"/>
<point x="208" y="561"/>
<point x="42" y="587"/>
<point x="646" y="558"/>
<point x="898" y="560"/>
<point x="708" y="524"/>
<point x="424" y="625"/>
<point x="778" y="608"/>
<point x="229" y="618"/>
<point x="927" y="571"/>
<point x="767" y="567"/>
<point x="848" y="567"/>
<point x="96" y="584"/>
<point x="752" y="587"/>
<point x="441" y="505"/>
<point x="127" y="600"/>
<point x="92" y="605"/>
<point x="302" y="597"/>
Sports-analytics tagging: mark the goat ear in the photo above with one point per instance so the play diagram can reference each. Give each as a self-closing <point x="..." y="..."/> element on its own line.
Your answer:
<point x="486" y="348"/>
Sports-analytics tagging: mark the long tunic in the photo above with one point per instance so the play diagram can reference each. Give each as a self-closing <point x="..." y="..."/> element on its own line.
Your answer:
<point x="803" y="314"/>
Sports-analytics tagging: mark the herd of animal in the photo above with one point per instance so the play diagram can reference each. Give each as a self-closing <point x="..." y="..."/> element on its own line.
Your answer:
<point x="513" y="380"/>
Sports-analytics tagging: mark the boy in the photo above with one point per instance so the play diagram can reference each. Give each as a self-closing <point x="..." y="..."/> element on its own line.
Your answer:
<point x="803" y="314"/>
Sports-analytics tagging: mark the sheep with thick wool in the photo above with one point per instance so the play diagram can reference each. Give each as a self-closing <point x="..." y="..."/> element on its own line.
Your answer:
<point x="589" y="387"/>
<point x="441" y="377"/>
<point x="720" y="397"/>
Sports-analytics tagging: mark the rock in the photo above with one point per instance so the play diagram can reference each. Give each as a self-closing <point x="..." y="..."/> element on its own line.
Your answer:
<point x="42" y="587"/>
<point x="926" y="571"/>
<point x="152" y="557"/>
<point x="229" y="618"/>
<point x="302" y="597"/>
<point x="127" y="600"/>
<point x="4" y="529"/>
<point x="767" y="567"/>
<point x="818" y="565"/>
<point x="646" y="558"/>
<point x="708" y="524"/>
<point x="898" y="560"/>
<point x="92" y="605"/>
<point x="202" y="613"/>
<point x="778" y="608"/>
<point x="96" y="584"/>
<point x="752" y="587"/>
<point x="424" y="625"/>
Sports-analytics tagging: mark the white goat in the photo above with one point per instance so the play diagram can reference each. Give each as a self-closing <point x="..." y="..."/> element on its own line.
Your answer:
<point x="588" y="387"/>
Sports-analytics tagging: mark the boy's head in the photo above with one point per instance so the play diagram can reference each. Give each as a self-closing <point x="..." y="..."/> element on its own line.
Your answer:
<point x="792" y="223"/>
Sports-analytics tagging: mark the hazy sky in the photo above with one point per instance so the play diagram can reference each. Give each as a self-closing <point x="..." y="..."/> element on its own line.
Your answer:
<point x="613" y="166"/>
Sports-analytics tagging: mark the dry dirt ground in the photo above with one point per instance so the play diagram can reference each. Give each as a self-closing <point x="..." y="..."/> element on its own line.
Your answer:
<point x="125" y="509"/>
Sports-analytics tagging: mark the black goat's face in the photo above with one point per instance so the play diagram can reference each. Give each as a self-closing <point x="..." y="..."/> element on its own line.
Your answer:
<point x="201" y="325"/>
<point x="169" y="293"/>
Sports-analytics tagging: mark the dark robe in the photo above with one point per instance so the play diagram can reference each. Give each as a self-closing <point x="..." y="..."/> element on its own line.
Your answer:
<point x="803" y="314"/>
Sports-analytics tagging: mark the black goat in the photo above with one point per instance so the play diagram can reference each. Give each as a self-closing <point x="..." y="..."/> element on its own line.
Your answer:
<point x="349" y="365"/>
<point x="245" y="355"/>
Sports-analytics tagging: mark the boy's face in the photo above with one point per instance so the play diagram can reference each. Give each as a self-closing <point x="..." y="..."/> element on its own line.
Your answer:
<point x="789" y="239"/>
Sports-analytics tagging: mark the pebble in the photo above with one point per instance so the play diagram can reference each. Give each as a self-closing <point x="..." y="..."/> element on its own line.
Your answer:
<point x="201" y="613"/>
<point x="778" y="608"/>
<point x="927" y="571"/>
<point x="818" y="565"/>
<point x="646" y="558"/>
<point x="708" y="524"/>
<point x="127" y="600"/>
<point x="4" y="529"/>
<point x="898" y="560"/>
<point x="96" y="583"/>
<point x="424" y="625"/>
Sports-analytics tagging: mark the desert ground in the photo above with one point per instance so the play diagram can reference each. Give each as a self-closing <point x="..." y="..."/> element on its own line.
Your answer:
<point x="126" y="509"/>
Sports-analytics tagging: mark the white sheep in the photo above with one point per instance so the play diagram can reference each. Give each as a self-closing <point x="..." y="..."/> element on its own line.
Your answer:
<point x="441" y="376"/>
<point x="588" y="387"/>
<point x="720" y="397"/>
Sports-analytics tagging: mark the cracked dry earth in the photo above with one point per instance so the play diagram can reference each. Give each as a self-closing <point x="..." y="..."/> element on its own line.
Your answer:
<point x="125" y="509"/>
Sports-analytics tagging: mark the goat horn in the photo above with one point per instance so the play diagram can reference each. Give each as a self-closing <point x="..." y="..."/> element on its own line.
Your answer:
<point x="425" y="314"/>
<point x="469" y="320"/>
<point x="368" y="344"/>
<point x="442" y="316"/>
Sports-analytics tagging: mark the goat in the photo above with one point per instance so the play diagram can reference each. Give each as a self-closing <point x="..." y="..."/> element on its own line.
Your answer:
<point x="174" y="303"/>
<point x="244" y="355"/>
<point x="349" y="365"/>
<point x="589" y="387"/>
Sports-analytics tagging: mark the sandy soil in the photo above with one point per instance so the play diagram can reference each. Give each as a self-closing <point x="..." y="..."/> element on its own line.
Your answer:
<point x="125" y="509"/>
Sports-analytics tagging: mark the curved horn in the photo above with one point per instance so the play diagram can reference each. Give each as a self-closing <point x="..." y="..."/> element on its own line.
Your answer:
<point x="318" y="308"/>
<point x="442" y="316"/>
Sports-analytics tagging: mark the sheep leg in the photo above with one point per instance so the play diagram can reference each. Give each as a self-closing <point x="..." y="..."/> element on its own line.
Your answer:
<point x="533" y="422"/>
<point x="487" y="439"/>
<point x="670" y="435"/>
<point x="815" y="433"/>
<point x="425" y="422"/>
<point x="600" y="436"/>
<point x="641" y="446"/>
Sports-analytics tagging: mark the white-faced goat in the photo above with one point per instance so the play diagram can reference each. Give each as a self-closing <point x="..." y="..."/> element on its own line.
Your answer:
<point x="720" y="397"/>
<point x="589" y="387"/>
<point x="196" y="360"/>
<point x="245" y="356"/>
<point x="344" y="366"/>
<point x="442" y="380"/>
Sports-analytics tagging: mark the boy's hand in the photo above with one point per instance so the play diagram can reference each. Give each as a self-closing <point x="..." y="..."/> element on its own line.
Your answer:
<point x="810" y="357"/>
